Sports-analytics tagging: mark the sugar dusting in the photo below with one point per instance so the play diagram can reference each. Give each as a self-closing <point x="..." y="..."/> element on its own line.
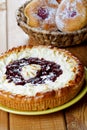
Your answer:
<point x="51" y="6"/>
<point x="70" y="11"/>
<point x="70" y="8"/>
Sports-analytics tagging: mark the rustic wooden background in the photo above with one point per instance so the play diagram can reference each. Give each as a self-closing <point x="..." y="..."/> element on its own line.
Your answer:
<point x="73" y="118"/>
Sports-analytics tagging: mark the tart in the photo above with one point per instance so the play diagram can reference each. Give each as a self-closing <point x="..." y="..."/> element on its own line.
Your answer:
<point x="34" y="78"/>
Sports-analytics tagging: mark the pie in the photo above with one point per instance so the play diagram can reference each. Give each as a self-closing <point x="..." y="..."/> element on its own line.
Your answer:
<point x="34" y="78"/>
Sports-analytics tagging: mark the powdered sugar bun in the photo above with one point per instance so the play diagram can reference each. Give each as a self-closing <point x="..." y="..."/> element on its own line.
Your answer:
<point x="71" y="15"/>
<point x="41" y="14"/>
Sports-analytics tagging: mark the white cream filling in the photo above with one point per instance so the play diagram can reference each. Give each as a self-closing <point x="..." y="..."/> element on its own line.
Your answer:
<point x="67" y="65"/>
<point x="29" y="71"/>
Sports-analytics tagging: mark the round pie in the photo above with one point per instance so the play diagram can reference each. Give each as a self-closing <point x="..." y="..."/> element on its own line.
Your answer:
<point x="34" y="78"/>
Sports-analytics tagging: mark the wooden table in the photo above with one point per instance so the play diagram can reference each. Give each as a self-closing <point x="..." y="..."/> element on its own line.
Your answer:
<point x="72" y="118"/>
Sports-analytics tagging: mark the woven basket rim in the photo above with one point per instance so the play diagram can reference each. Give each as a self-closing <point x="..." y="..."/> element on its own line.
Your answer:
<point x="21" y="22"/>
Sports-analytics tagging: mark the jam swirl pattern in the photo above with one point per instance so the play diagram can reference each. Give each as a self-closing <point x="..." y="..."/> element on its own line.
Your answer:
<point x="49" y="71"/>
<point x="43" y="13"/>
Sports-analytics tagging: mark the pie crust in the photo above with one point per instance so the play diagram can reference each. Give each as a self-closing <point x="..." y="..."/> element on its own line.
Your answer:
<point x="36" y="97"/>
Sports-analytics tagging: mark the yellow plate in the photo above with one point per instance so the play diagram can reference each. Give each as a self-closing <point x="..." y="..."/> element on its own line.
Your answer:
<point x="73" y="101"/>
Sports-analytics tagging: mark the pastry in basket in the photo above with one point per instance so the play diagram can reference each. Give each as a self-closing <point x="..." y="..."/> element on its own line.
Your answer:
<point x="71" y="15"/>
<point x="34" y="78"/>
<point x="49" y="33"/>
<point x="41" y="14"/>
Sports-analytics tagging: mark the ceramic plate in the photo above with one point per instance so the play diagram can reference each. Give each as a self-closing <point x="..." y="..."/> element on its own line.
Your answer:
<point x="73" y="101"/>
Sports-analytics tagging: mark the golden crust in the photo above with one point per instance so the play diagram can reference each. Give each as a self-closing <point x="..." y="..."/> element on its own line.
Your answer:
<point x="43" y="101"/>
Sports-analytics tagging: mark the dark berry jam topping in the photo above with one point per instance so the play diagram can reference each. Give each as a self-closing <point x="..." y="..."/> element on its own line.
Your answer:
<point x="49" y="71"/>
<point x="43" y="13"/>
<point x="73" y="14"/>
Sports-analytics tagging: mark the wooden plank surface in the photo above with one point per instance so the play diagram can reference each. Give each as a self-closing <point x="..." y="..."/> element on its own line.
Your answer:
<point x="80" y="51"/>
<point x="4" y="120"/>
<point x="2" y="26"/>
<point x="76" y="116"/>
<point x="3" y="115"/>
<point x="53" y="121"/>
<point x="16" y="36"/>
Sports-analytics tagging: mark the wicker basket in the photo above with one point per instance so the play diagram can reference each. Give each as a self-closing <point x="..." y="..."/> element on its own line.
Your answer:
<point x="57" y="38"/>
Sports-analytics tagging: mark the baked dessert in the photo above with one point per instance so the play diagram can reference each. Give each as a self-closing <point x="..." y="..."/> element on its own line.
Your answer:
<point x="47" y="37"/>
<point x="36" y="78"/>
<point x="41" y="14"/>
<point x="71" y="15"/>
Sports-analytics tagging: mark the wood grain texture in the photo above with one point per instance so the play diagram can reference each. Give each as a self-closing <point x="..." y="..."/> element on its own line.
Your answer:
<point x="76" y="116"/>
<point x="2" y="26"/>
<point x="16" y="36"/>
<point x="4" y="121"/>
<point x="43" y="122"/>
<point x="80" y="51"/>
